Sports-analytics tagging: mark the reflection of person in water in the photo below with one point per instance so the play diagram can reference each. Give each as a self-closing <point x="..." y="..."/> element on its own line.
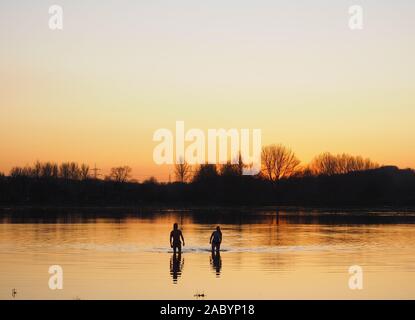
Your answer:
<point x="216" y="262"/>
<point x="216" y="239"/>
<point x="175" y="236"/>
<point x="176" y="266"/>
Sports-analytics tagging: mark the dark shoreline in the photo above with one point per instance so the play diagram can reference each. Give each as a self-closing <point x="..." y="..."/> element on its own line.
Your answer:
<point x="386" y="187"/>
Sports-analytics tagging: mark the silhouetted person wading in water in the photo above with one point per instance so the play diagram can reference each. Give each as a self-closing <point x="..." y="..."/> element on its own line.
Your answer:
<point x="175" y="236"/>
<point x="216" y="239"/>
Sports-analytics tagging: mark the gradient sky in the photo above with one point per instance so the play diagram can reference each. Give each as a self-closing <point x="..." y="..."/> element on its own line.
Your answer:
<point x="96" y="91"/>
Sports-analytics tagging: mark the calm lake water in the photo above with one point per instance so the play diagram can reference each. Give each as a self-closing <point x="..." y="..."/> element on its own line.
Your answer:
<point x="297" y="254"/>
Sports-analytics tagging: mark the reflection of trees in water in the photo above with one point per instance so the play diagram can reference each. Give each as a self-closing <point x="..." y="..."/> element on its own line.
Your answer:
<point x="236" y="217"/>
<point x="176" y="266"/>
<point x="216" y="262"/>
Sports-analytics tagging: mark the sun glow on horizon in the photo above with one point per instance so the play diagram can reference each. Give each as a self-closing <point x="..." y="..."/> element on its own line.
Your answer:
<point x="96" y="91"/>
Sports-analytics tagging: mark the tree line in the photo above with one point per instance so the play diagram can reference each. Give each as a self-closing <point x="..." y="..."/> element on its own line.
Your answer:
<point x="327" y="180"/>
<point x="68" y="171"/>
<point x="278" y="162"/>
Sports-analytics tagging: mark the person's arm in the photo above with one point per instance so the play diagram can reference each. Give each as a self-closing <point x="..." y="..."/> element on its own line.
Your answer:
<point x="171" y="237"/>
<point x="211" y="236"/>
<point x="181" y="236"/>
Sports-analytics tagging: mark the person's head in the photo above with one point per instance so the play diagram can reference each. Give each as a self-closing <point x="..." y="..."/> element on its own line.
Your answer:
<point x="175" y="226"/>
<point x="217" y="228"/>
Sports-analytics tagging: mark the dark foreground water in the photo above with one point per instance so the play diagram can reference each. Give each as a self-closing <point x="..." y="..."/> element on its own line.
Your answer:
<point x="295" y="254"/>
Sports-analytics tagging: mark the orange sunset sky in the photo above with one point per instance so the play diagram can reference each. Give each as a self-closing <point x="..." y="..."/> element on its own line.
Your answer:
<point x="96" y="91"/>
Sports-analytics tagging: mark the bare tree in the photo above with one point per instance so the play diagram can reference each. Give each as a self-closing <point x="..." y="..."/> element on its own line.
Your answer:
<point x="120" y="174"/>
<point x="74" y="171"/>
<point x="182" y="171"/>
<point x="37" y="170"/>
<point x="84" y="172"/>
<point x="69" y="170"/>
<point x="360" y="164"/>
<point x="325" y="164"/>
<point x="64" y="170"/>
<point x="16" y="172"/>
<point x="329" y="164"/>
<point x="278" y="162"/>
<point x="21" y="172"/>
<point x="49" y="170"/>
<point x="268" y="161"/>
